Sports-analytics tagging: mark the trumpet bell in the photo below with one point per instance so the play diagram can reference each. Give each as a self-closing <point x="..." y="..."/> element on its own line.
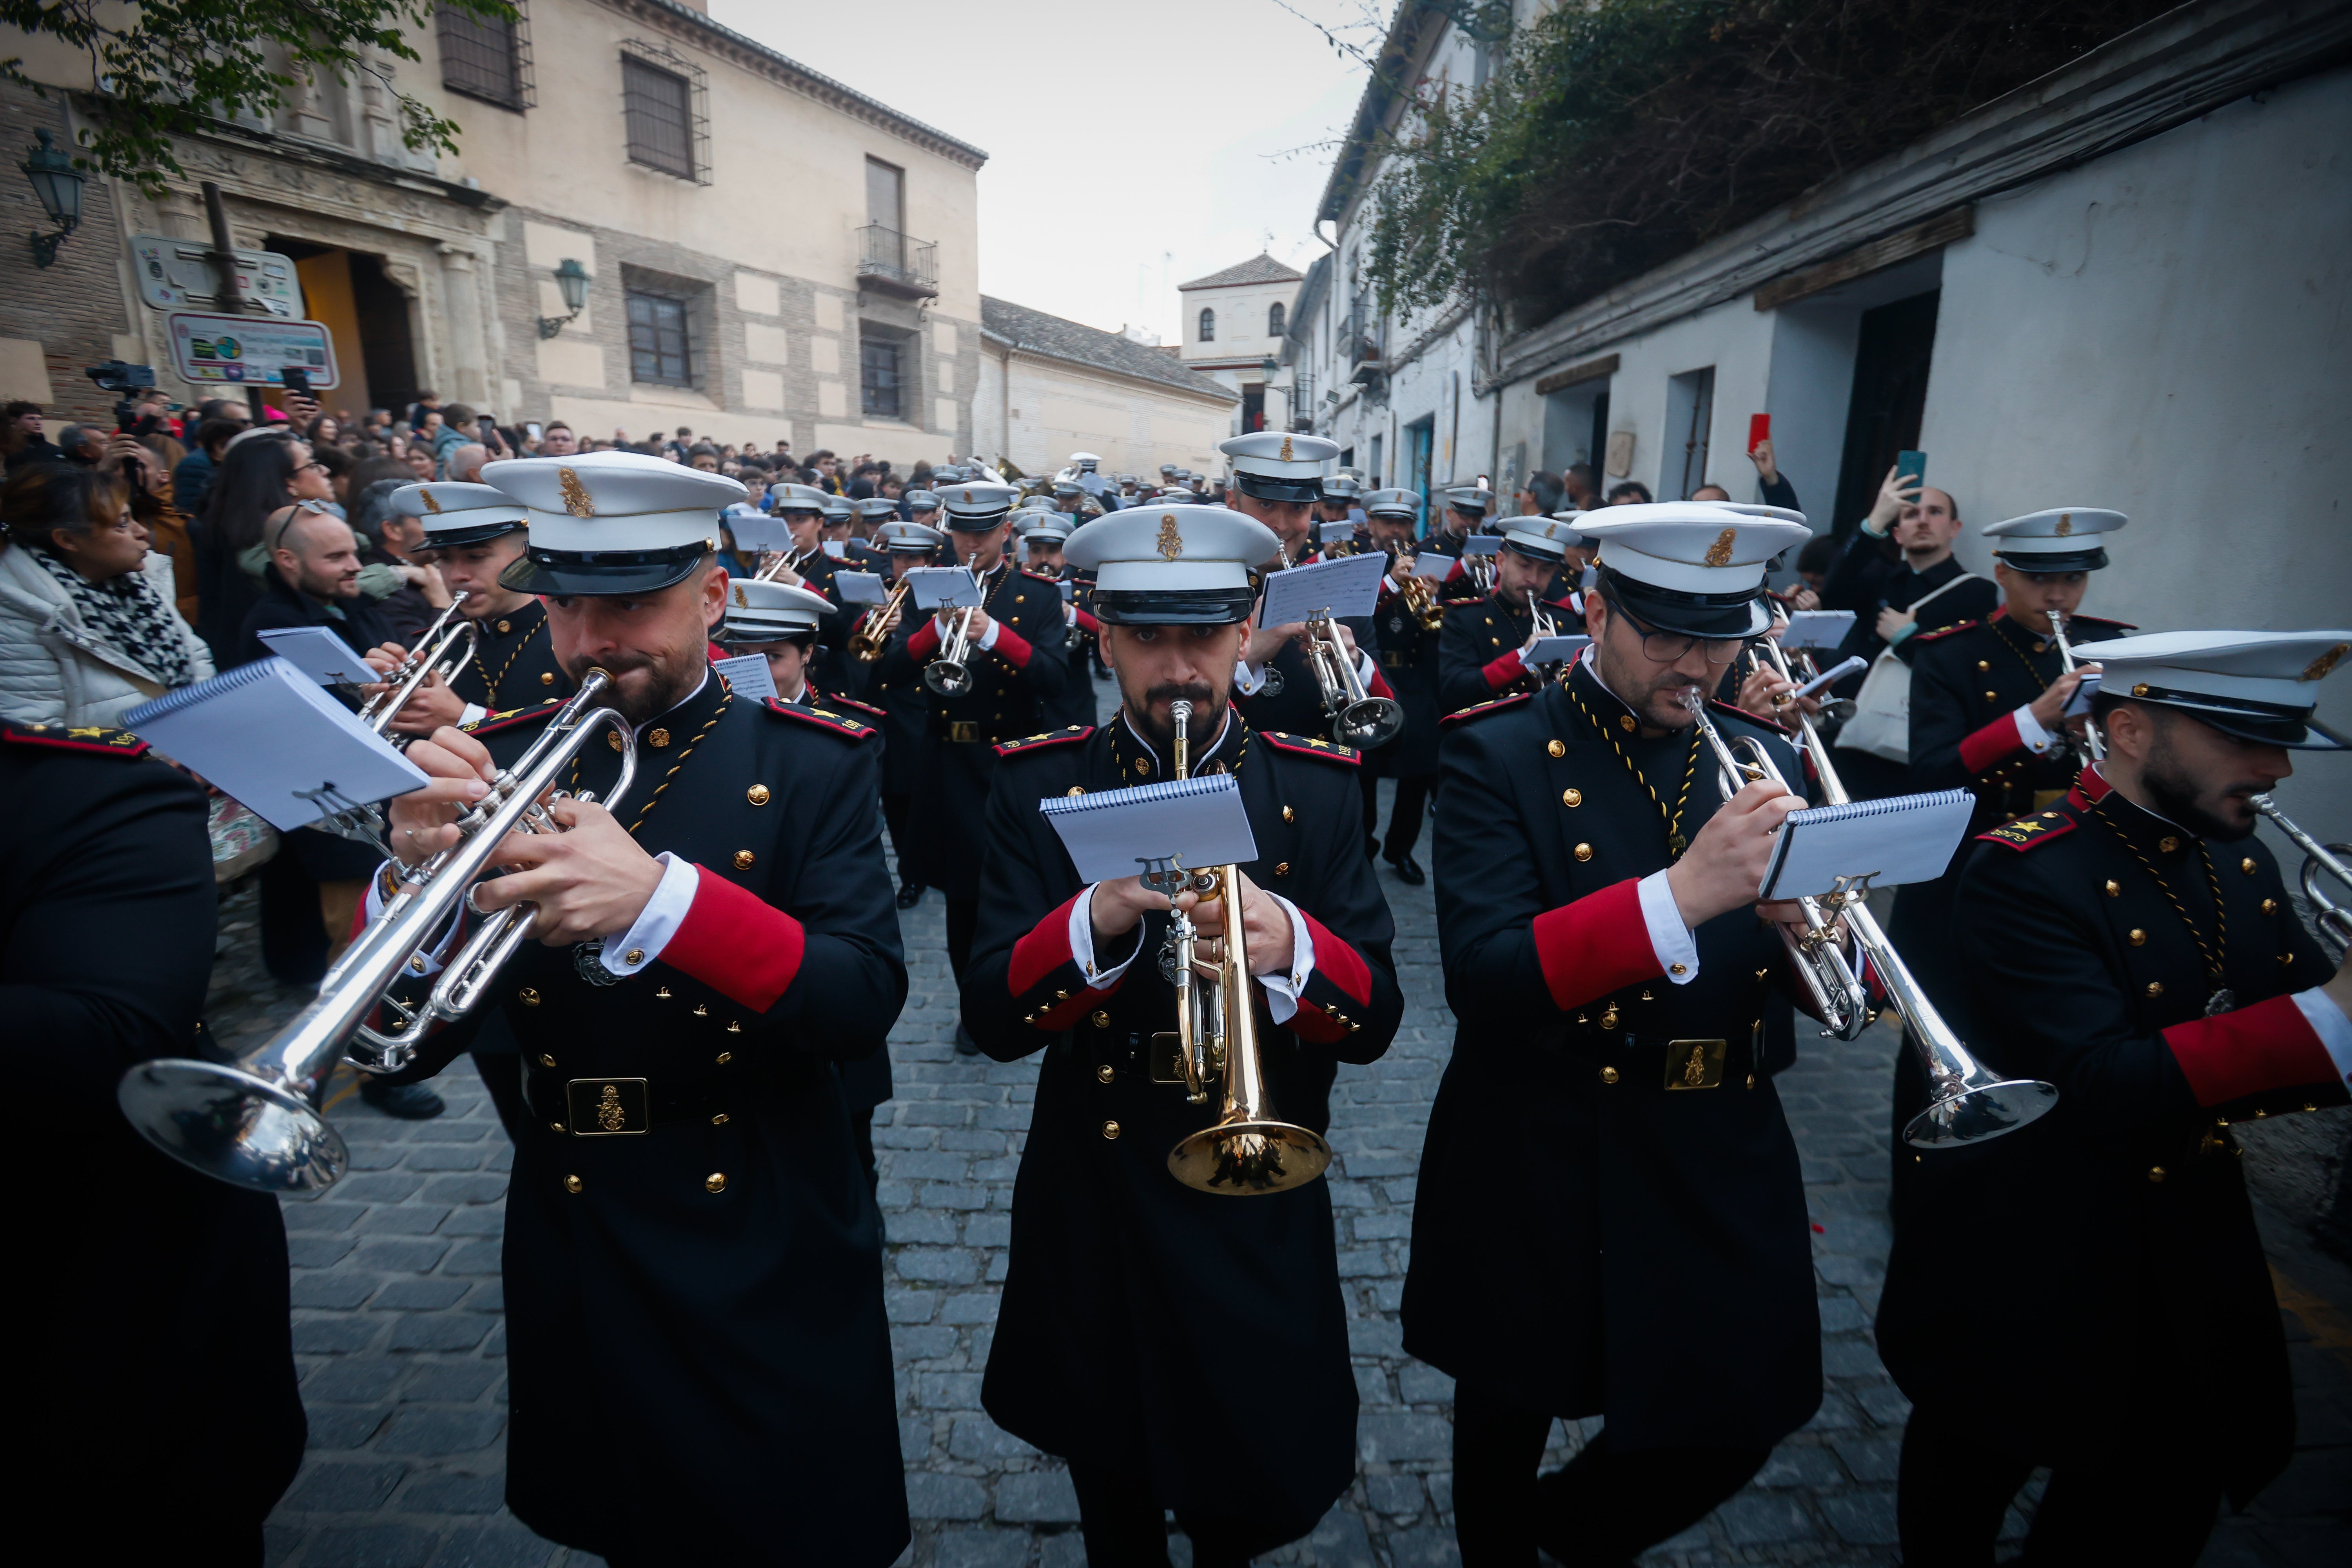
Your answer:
<point x="1988" y="1111"/>
<point x="233" y="1125"/>
<point x="947" y="677"/>
<point x="1369" y="725"/>
<point x="1248" y="1157"/>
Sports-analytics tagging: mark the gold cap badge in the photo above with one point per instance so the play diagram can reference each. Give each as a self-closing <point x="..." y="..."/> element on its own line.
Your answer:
<point x="430" y="504"/>
<point x="1170" y="542"/>
<point x="2065" y="524"/>
<point x="1719" y="552"/>
<point x="576" y="499"/>
<point x="742" y="599"/>
<point x="2325" y="662"/>
<point x="1286" y="449"/>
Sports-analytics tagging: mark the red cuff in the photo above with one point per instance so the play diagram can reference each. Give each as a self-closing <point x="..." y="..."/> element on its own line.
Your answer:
<point x="1379" y="686"/>
<point x="737" y="944"/>
<point x="1011" y="647"/>
<point x="1505" y="670"/>
<point x="1340" y="988"/>
<point x="1044" y="953"/>
<point x="2251" y="1051"/>
<point x="1598" y="944"/>
<point x="924" y="642"/>
<point x="1087" y="622"/>
<point x="1991" y="746"/>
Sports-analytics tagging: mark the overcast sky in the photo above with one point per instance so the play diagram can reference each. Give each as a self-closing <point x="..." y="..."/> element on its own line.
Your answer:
<point x="1148" y="144"/>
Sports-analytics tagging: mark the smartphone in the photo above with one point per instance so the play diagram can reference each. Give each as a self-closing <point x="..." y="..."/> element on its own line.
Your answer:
<point x="1759" y="430"/>
<point x="1911" y="464"/>
<point x="297" y="380"/>
<point x="533" y="430"/>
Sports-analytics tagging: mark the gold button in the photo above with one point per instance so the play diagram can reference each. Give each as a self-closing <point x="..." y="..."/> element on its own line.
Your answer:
<point x="506" y="625"/>
<point x="2247" y="864"/>
<point x="757" y="794"/>
<point x="1572" y="797"/>
<point x="1984" y="664"/>
<point x="1678" y="968"/>
<point x="1751" y="1080"/>
<point x="2140" y="689"/>
<point x="1496" y="641"/>
<point x="546" y="1061"/>
<point x="1625" y="721"/>
<point x="635" y="955"/>
<point x="1991" y="696"/>
<point x="725" y="1057"/>
<point x="527" y="996"/>
<point x="734" y="1025"/>
<point x="547" y="678"/>
<point x="1282" y="868"/>
<point x="714" y="1183"/>
<point x="1105" y="1073"/>
<point x="1143" y="767"/>
<point x="572" y="1184"/>
<point x="1609" y="1074"/>
<point x="702" y="1009"/>
<point x="743" y="859"/>
<point x="2115" y="889"/>
<point x="2156" y="1172"/>
<point x="1556" y="748"/>
<point x="657" y="737"/>
<point x="662" y="994"/>
<point x="1110" y="1129"/>
<point x="2286" y="957"/>
<point x="719" y="1120"/>
<point x="555" y="1126"/>
<point x="2138" y="937"/>
<point x="1100" y="1020"/>
<point x="1061" y="995"/>
<point x="1288" y="814"/>
<point x="2168" y="843"/>
<point x="1076" y="789"/>
<point x="2270" y="906"/>
<point x="2155" y="988"/>
<point x="613" y="738"/>
<point x="1584" y="851"/>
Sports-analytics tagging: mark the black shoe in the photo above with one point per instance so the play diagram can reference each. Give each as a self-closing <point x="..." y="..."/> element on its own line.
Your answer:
<point x="408" y="1102"/>
<point x="910" y="894"/>
<point x="1408" y="871"/>
<point x="965" y="1045"/>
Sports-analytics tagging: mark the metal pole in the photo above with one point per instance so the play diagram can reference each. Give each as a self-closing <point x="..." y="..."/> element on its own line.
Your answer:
<point x="225" y="257"/>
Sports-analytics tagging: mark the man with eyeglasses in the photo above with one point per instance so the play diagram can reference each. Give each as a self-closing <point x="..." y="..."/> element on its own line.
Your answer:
<point x="1608" y="966"/>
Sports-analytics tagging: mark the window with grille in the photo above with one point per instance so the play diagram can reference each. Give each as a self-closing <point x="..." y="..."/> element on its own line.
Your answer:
<point x="661" y="345"/>
<point x="485" y="57"/>
<point x="879" y="371"/>
<point x="1275" y="318"/>
<point x="1208" y="326"/>
<point x="663" y="102"/>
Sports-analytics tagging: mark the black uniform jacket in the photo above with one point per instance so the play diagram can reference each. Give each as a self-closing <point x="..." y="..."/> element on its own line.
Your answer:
<point x="1479" y="649"/>
<point x="1610" y="1218"/>
<point x="138" y="1275"/>
<point x="895" y="685"/>
<point x="700" y="1369"/>
<point x="1408" y="664"/>
<point x="2091" y="1286"/>
<point x="513" y="664"/>
<point x="1014" y="690"/>
<point x="1145" y="1325"/>
<point x="1865" y="583"/>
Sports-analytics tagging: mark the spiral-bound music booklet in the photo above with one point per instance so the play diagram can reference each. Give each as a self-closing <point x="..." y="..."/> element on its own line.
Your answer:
<point x="319" y="654"/>
<point x="748" y="675"/>
<point x="754" y="532"/>
<point x="1898" y="839"/>
<point x="1432" y="565"/>
<point x="1346" y="585"/>
<point x="1115" y="832"/>
<point x="277" y="742"/>
<point x="860" y="588"/>
<point x="944" y="587"/>
<point x="1817" y="628"/>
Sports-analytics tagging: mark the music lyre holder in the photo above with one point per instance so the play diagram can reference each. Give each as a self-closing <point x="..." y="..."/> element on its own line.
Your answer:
<point x="347" y="818"/>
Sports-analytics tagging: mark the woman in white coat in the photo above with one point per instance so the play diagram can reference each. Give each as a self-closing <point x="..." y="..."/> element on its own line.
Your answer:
<point x="88" y="627"/>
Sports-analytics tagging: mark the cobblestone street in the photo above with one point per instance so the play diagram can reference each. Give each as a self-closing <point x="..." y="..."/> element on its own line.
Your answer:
<point x="397" y="1319"/>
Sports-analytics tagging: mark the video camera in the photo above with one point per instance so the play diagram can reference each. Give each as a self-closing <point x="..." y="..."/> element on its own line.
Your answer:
<point x="125" y="381"/>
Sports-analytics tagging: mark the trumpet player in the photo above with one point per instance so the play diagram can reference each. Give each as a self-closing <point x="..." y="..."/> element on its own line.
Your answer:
<point x="1182" y="1349"/>
<point x="1464" y="512"/>
<point x="1041" y="536"/>
<point x="1483" y="649"/>
<point x="2090" y="1294"/>
<point x="1408" y="621"/>
<point x="690" y="1246"/>
<point x="894" y="685"/>
<point x="1604" y="954"/>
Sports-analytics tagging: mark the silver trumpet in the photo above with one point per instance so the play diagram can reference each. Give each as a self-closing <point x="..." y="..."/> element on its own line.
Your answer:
<point x="2319" y="861"/>
<point x="1967" y="1103"/>
<point x="433" y="654"/>
<point x="2066" y="656"/>
<point x="792" y="560"/>
<point x="1358" y="719"/>
<point x="950" y="674"/>
<point x="257" y="1121"/>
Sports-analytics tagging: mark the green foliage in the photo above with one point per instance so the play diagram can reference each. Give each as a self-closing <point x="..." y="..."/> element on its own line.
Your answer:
<point x="166" y="69"/>
<point x="1610" y="138"/>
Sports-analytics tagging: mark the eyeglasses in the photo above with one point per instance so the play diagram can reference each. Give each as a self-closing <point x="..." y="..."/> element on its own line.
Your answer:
<point x="1672" y="648"/>
<point x="311" y="468"/>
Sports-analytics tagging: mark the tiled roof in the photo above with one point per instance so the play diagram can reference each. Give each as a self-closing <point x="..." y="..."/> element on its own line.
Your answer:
<point x="1258" y="268"/>
<point x="1035" y="332"/>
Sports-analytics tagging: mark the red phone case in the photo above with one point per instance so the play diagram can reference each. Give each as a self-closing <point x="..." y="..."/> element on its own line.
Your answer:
<point x="1759" y="429"/>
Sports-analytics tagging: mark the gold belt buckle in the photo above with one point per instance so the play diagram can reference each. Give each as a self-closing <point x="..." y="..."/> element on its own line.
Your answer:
<point x="963" y="731"/>
<point x="1694" y="1063"/>
<point x="607" y="1107"/>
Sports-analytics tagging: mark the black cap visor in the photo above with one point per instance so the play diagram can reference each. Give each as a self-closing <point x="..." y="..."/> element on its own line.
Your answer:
<point x="1712" y="616"/>
<point x="601" y="573"/>
<point x="962" y="524"/>
<point x="445" y="538"/>
<point x="1554" y="556"/>
<point x="1174" y="607"/>
<point x="2089" y="560"/>
<point x="1270" y="487"/>
<point x="2263" y="723"/>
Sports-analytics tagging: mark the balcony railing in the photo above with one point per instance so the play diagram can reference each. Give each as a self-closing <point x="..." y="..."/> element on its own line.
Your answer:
<point x="897" y="263"/>
<point x="1361" y="331"/>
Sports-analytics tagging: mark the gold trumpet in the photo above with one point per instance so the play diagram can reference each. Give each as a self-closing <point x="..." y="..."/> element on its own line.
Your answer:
<point x="1247" y="1150"/>
<point x="2319" y="860"/>
<point x="1419" y="596"/>
<point x="870" y="640"/>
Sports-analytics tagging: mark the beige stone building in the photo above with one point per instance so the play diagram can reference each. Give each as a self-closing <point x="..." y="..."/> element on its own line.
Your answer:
<point x="770" y="255"/>
<point x="1049" y="387"/>
<point x="1235" y="320"/>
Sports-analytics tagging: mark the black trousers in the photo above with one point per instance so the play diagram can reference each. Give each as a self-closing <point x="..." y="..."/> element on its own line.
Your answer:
<point x="1601" y="1507"/>
<point x="1405" y="820"/>
<point x="964" y="923"/>
<point x="1125" y="1527"/>
<point x="2148" y="1510"/>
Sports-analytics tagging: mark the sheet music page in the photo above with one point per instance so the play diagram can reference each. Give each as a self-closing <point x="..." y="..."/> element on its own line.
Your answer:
<point x="1895" y="840"/>
<point x="1347" y="587"/>
<point x="943" y="587"/>
<point x="1114" y="832"/>
<point x="319" y="654"/>
<point x="748" y="675"/>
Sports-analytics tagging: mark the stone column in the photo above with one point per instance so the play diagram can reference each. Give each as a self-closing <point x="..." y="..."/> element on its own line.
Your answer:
<point x="468" y="371"/>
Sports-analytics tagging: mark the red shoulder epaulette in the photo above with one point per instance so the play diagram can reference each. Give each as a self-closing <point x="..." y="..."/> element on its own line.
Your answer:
<point x="506" y="718"/>
<point x="1311" y="746"/>
<point x="1050" y="738"/>
<point x="1773" y="724"/>
<point x="1943" y="631"/>
<point x="1492" y="705"/>
<point x="75" y="738"/>
<point x="2028" y="831"/>
<point x="822" y="717"/>
<point x="835" y="699"/>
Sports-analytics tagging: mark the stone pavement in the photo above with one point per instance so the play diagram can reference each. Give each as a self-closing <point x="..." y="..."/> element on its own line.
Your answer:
<point x="397" y="1325"/>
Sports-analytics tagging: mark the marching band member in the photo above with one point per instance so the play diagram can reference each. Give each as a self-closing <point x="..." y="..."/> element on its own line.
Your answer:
<point x="1604" y="953"/>
<point x="1482" y="648"/>
<point x="2089" y="1293"/>
<point x="1467" y="508"/>
<point x="894" y="685"/>
<point x="1144" y="1324"/>
<point x="1043" y="538"/>
<point x="690" y="1246"/>
<point x="1408" y="645"/>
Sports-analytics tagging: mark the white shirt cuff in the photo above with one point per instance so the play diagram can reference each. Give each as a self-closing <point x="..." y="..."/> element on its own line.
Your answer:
<point x="1676" y="948"/>
<point x="988" y="638"/>
<point x="474" y="714"/>
<point x="2030" y="731"/>
<point x="1282" y="991"/>
<point x="1248" y="679"/>
<point x="1082" y="945"/>
<point x="658" y="922"/>
<point x="2333" y="1029"/>
<point x="434" y="956"/>
<point x="1364" y="670"/>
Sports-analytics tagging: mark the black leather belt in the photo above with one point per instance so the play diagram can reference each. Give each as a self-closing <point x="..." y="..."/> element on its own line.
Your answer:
<point x="621" y="1106"/>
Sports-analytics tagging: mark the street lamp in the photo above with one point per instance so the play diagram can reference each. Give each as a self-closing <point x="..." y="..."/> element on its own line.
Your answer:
<point x="572" y="279"/>
<point x="57" y="183"/>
